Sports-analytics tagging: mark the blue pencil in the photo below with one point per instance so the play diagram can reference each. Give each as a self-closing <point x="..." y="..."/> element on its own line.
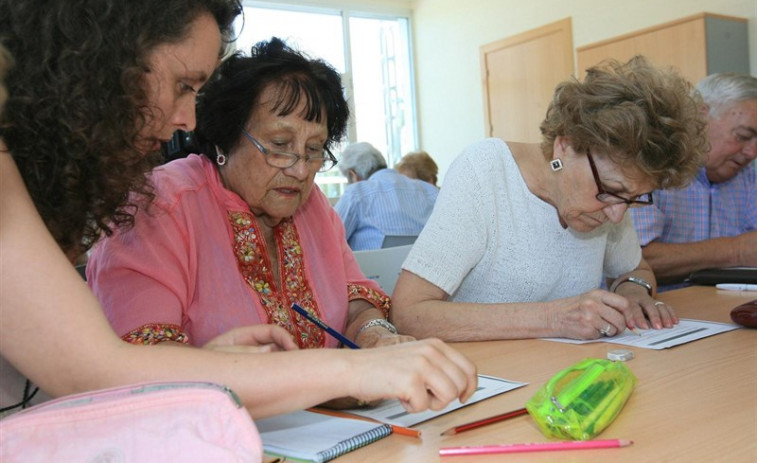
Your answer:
<point x="320" y="324"/>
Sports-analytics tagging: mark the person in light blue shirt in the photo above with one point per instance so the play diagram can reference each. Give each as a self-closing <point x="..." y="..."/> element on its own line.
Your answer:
<point x="380" y="201"/>
<point x="713" y="221"/>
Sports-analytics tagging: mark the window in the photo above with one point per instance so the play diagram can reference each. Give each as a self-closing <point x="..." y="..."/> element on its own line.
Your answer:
<point x="371" y="51"/>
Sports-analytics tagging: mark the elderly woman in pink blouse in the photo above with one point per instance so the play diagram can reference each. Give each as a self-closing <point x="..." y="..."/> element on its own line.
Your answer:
<point x="236" y="236"/>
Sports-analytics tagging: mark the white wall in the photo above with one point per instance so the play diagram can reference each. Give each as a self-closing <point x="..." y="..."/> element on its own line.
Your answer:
<point x="448" y="34"/>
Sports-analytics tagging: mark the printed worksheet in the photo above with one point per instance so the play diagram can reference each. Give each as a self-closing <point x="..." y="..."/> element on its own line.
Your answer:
<point x="392" y="412"/>
<point x="686" y="330"/>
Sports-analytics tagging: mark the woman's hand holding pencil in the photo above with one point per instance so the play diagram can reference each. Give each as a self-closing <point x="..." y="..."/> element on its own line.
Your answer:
<point x="420" y="374"/>
<point x="426" y="374"/>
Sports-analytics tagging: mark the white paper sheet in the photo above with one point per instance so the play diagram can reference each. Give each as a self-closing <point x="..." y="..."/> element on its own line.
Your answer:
<point x="392" y="412"/>
<point x="686" y="330"/>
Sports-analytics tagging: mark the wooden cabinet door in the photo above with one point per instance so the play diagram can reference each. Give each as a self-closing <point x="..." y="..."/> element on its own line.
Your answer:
<point x="519" y="75"/>
<point x="697" y="45"/>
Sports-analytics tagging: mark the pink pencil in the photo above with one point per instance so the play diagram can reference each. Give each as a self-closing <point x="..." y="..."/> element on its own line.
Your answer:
<point x="535" y="447"/>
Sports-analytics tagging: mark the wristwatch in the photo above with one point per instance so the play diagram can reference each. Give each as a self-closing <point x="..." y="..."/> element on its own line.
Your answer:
<point x="631" y="279"/>
<point x="377" y="322"/>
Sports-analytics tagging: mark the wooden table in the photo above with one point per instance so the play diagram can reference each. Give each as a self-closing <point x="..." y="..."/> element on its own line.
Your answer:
<point x="696" y="402"/>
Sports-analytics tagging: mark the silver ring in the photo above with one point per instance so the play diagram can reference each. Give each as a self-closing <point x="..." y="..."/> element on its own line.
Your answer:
<point x="658" y="303"/>
<point x="606" y="330"/>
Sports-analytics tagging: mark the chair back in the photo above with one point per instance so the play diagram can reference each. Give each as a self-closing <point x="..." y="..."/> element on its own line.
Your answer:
<point x="391" y="241"/>
<point x="383" y="265"/>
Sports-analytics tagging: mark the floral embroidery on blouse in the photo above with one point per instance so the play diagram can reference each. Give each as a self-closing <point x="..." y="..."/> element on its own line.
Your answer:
<point x="376" y="298"/>
<point x="255" y="267"/>
<point x="155" y="333"/>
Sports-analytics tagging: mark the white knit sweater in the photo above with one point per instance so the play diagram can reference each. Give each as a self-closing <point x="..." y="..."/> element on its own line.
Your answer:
<point x="490" y="239"/>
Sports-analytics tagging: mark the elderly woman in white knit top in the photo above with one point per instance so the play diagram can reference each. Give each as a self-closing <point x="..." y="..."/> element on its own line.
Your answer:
<point x="522" y="234"/>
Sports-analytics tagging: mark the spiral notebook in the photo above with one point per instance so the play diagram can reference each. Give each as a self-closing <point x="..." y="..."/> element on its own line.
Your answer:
<point x="314" y="437"/>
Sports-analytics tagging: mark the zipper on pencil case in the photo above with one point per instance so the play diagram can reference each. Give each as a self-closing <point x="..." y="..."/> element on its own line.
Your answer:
<point x="87" y="398"/>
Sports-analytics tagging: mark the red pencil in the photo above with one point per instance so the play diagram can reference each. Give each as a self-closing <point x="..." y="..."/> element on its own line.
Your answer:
<point x="484" y="422"/>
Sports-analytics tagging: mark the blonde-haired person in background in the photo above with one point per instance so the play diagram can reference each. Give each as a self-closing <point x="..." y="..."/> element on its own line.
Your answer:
<point x="96" y="87"/>
<point x="420" y="165"/>
<point x="522" y="234"/>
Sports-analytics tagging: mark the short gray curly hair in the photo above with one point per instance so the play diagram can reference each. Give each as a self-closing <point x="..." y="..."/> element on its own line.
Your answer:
<point x="638" y="114"/>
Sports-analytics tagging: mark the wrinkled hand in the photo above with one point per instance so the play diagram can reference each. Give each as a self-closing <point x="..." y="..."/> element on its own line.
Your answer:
<point x="421" y="374"/>
<point x="647" y="312"/>
<point x="592" y="315"/>
<point x="602" y="313"/>
<point x="253" y="339"/>
<point x="377" y="336"/>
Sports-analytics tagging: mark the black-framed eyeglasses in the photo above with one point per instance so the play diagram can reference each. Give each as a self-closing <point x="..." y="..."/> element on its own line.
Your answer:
<point x="611" y="198"/>
<point x="283" y="159"/>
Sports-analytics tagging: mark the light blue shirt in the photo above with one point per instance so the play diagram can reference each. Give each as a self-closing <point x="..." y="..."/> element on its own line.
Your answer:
<point x="388" y="203"/>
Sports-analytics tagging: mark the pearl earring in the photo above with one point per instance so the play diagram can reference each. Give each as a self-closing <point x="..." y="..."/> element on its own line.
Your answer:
<point x="555" y="165"/>
<point x="220" y="157"/>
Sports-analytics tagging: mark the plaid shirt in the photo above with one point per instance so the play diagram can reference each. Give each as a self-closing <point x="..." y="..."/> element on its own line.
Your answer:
<point x="701" y="211"/>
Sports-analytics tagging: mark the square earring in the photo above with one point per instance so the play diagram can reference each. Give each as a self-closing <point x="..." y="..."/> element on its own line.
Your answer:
<point x="555" y="165"/>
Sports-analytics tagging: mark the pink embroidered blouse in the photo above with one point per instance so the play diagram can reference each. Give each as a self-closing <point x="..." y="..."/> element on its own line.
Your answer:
<point x="194" y="265"/>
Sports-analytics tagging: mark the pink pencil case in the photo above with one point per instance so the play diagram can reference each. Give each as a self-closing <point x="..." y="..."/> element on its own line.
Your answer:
<point x="167" y="421"/>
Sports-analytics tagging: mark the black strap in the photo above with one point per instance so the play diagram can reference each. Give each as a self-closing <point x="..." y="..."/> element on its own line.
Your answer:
<point x="28" y="396"/>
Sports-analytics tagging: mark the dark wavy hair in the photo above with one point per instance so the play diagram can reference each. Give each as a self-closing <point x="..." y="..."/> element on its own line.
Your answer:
<point x="77" y="103"/>
<point x="228" y="99"/>
<point x="5" y="64"/>
<point x="639" y="115"/>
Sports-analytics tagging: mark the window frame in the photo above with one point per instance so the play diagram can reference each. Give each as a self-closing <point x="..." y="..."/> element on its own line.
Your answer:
<point x="367" y="11"/>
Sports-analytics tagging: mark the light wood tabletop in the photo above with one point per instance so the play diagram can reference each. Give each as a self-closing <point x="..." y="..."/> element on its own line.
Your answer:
<point x="695" y="402"/>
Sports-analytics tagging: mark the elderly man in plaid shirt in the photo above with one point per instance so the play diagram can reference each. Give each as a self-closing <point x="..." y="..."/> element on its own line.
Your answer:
<point x="712" y="222"/>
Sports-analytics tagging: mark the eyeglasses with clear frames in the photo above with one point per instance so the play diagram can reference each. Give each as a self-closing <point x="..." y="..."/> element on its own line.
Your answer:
<point x="283" y="159"/>
<point x="611" y="198"/>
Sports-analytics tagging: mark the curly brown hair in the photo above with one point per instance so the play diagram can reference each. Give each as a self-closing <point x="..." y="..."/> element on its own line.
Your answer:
<point x="639" y="115"/>
<point x="76" y="103"/>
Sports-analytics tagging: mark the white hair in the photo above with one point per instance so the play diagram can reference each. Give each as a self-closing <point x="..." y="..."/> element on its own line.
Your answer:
<point x="363" y="158"/>
<point x="721" y="91"/>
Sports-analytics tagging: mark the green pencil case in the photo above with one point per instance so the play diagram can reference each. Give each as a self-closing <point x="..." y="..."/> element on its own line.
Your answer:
<point x="581" y="401"/>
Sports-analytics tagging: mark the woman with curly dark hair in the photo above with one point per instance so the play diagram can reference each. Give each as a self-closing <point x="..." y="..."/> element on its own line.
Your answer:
<point x="552" y="216"/>
<point x="93" y="125"/>
<point x="96" y="87"/>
